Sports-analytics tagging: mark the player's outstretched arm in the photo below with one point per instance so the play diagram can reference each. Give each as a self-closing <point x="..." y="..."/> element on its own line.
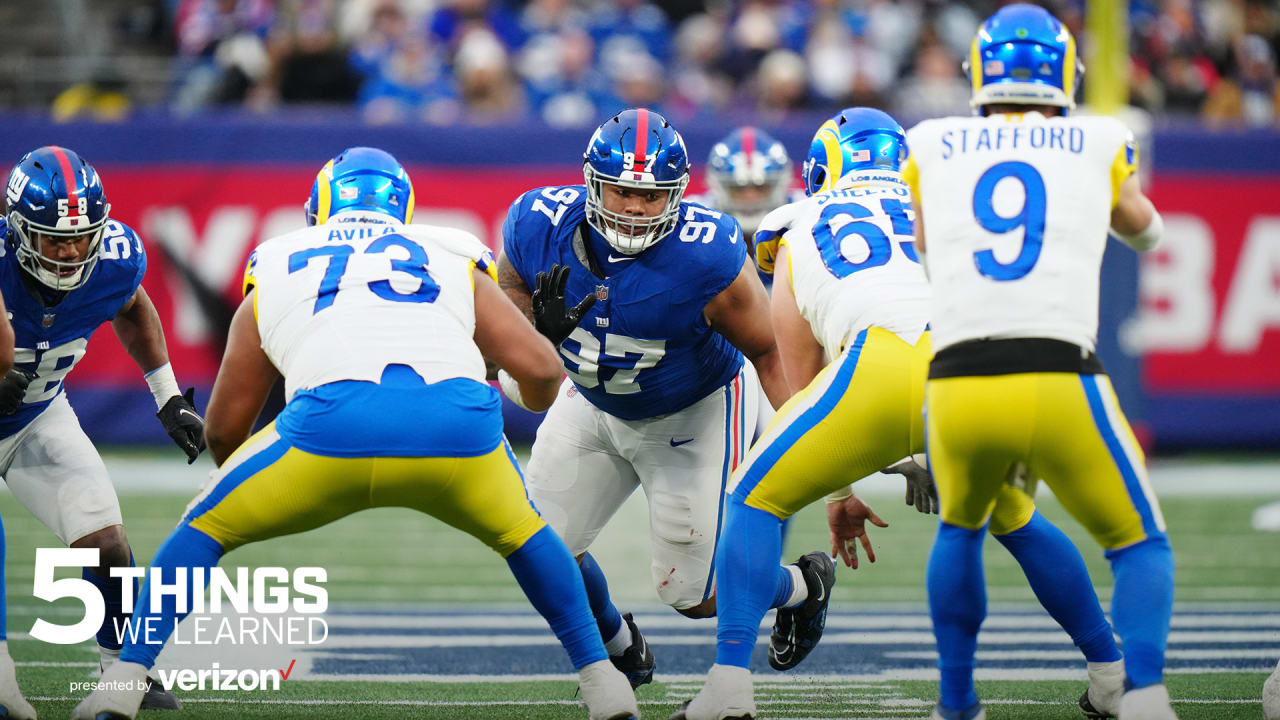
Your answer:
<point x="802" y="354"/>
<point x="1134" y="219"/>
<point x="137" y="325"/>
<point x="244" y="381"/>
<point x="738" y="314"/>
<point x="511" y="341"/>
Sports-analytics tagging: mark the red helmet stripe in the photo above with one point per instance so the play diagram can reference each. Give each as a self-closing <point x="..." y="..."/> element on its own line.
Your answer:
<point x="748" y="144"/>
<point x="642" y="138"/>
<point x="69" y="179"/>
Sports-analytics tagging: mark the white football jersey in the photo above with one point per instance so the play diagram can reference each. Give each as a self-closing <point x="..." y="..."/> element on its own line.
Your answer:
<point x="341" y="301"/>
<point x="853" y="263"/>
<point x="1016" y="209"/>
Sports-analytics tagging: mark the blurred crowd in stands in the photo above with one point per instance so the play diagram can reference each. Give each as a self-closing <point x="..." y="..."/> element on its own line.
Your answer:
<point x="572" y="62"/>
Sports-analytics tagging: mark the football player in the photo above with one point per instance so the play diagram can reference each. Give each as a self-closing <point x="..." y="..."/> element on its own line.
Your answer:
<point x="854" y="291"/>
<point x="1015" y="206"/>
<point x="66" y="269"/>
<point x="377" y="328"/>
<point x="749" y="174"/>
<point x="659" y="393"/>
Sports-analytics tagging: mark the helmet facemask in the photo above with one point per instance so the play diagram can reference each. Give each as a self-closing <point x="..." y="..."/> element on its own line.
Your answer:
<point x="630" y="234"/>
<point x="771" y="186"/>
<point x="57" y="274"/>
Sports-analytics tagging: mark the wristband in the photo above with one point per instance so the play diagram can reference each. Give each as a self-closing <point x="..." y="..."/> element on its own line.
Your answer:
<point x="1146" y="238"/>
<point x="163" y="384"/>
<point x="511" y="388"/>
<point x="840" y="495"/>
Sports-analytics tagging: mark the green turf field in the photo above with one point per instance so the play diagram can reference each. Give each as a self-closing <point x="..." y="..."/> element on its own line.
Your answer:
<point x="429" y="624"/>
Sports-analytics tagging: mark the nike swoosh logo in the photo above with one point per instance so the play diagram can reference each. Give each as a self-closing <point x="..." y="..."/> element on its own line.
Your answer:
<point x="188" y="412"/>
<point x="678" y="443"/>
<point x="822" y="591"/>
<point x="619" y="259"/>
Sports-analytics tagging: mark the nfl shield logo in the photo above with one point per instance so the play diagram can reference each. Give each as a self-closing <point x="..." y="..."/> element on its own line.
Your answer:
<point x="602" y="292"/>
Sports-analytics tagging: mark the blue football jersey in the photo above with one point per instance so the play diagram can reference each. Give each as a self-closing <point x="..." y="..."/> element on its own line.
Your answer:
<point x="645" y="348"/>
<point x="49" y="341"/>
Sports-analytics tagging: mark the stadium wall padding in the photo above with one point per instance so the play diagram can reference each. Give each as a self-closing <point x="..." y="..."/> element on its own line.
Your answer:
<point x="1190" y="333"/>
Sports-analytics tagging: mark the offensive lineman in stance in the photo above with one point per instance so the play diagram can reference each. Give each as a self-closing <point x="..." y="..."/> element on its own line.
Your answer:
<point x="378" y="328"/>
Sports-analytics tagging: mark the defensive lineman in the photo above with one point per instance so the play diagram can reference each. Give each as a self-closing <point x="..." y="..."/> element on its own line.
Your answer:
<point x="659" y="394"/>
<point x="1016" y="204"/>
<point x="66" y="269"/>
<point x="378" y="328"/>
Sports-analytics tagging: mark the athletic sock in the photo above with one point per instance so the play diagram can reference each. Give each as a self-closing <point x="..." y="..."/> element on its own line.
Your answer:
<point x="550" y="579"/>
<point x="112" y="628"/>
<point x="1058" y="576"/>
<point x="957" y="604"/>
<point x="746" y="559"/>
<point x="615" y="632"/>
<point x="148" y="630"/>
<point x="1141" y="604"/>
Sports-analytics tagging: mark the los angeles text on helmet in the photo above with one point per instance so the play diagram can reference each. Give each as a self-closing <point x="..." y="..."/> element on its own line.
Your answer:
<point x="271" y="605"/>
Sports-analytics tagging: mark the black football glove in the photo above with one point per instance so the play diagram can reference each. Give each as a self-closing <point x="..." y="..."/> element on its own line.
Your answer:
<point x="921" y="492"/>
<point x="184" y="424"/>
<point x="13" y="387"/>
<point x="550" y="314"/>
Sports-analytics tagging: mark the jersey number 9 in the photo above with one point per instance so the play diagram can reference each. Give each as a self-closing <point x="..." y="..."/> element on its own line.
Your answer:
<point x="1030" y="218"/>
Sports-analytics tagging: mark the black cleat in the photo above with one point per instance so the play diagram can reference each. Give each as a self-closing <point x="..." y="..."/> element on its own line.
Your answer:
<point x="1090" y="711"/>
<point x="636" y="662"/>
<point x="679" y="714"/>
<point x="796" y="630"/>
<point x="157" y="698"/>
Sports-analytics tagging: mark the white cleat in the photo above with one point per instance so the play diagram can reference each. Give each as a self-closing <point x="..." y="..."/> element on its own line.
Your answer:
<point x="12" y="705"/>
<point x="1106" y="687"/>
<point x="1148" y="703"/>
<point x="119" y="694"/>
<point x="728" y="694"/>
<point x="606" y="692"/>
<point x="1271" y="696"/>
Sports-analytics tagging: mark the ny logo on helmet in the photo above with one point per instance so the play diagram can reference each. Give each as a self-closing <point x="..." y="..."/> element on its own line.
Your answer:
<point x="17" y="183"/>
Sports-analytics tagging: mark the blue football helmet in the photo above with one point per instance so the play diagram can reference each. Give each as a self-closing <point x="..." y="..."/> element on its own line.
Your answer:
<point x="360" y="179"/>
<point x="635" y="149"/>
<point x="749" y="174"/>
<point x="1022" y="55"/>
<point x="55" y="197"/>
<point x="859" y="140"/>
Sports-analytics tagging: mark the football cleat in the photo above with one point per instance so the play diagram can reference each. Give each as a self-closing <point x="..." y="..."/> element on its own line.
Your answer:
<point x="636" y="662"/>
<point x="606" y="693"/>
<point x="796" y="630"/>
<point x="1148" y="703"/>
<point x="12" y="705"/>
<point x="1106" y="686"/>
<point x="977" y="712"/>
<point x="727" y="694"/>
<point x="1271" y="696"/>
<point x="682" y="714"/>
<point x="119" y="694"/>
<point x="157" y="698"/>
